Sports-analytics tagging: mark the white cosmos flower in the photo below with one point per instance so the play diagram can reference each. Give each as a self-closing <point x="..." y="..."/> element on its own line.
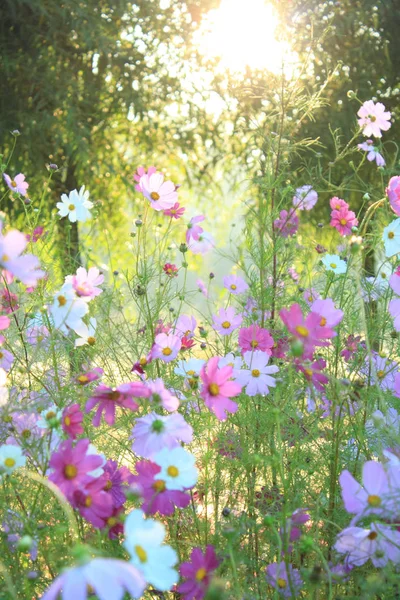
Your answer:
<point x="177" y="468"/>
<point x="11" y="458"/>
<point x="67" y="309"/>
<point x="49" y="416"/>
<point x="391" y="238"/>
<point x="86" y="333"/>
<point x="144" y="541"/>
<point x="76" y="205"/>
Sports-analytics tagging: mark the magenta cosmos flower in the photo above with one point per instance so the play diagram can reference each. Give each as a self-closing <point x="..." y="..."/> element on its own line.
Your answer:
<point x="162" y="194"/>
<point x="109" y="578"/>
<point x="218" y="389"/>
<point x="312" y="371"/>
<point x="278" y="577"/>
<point x="109" y="398"/>
<point x="154" y="432"/>
<point x="305" y="198"/>
<point x="154" y="492"/>
<point x="71" y="465"/>
<point x="18" y="184"/>
<point x="255" y="338"/>
<point x="90" y="376"/>
<point x="343" y="220"/>
<point x="226" y="321"/>
<point x="25" y="268"/>
<point x="197" y="572"/>
<point x="379" y="543"/>
<point x="166" y="347"/>
<point x="85" y="283"/>
<point x="287" y="224"/>
<point x="175" y="212"/>
<point x="373" y="118"/>
<point x="71" y="421"/>
<point x="306" y="329"/>
<point x="393" y="193"/>
<point x="93" y="503"/>
<point x="235" y="284"/>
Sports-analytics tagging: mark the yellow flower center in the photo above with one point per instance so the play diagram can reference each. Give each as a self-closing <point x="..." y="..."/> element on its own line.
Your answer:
<point x="14" y="183"/>
<point x="333" y="265"/>
<point x="200" y="574"/>
<point x="143" y="361"/>
<point x="71" y="207"/>
<point x="173" y="471"/>
<point x="83" y="378"/>
<point x="1" y="354"/>
<point x="67" y="421"/>
<point x="108" y="485"/>
<point x="5" y="258"/>
<point x="159" y="485"/>
<point x="322" y="322"/>
<point x="50" y="415"/>
<point x="372" y="118"/>
<point x="254" y="343"/>
<point x="343" y="221"/>
<point x="70" y="471"/>
<point x="114" y="395"/>
<point x="226" y="324"/>
<point x="9" y="462"/>
<point x="301" y="330"/>
<point x="62" y="301"/>
<point x="308" y="372"/>
<point x="281" y="583"/>
<point x="111" y="521"/>
<point x="167" y="351"/>
<point x="233" y="286"/>
<point x="154" y="196"/>
<point x="213" y="389"/>
<point x="374" y="501"/>
<point x="88" y="501"/>
<point x="380" y="374"/>
<point x="255" y="373"/>
<point x="141" y="553"/>
<point x="373" y="535"/>
<point x="91" y="341"/>
<point x="391" y="235"/>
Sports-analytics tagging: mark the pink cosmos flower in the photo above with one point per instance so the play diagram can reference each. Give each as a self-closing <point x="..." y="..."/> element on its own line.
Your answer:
<point x="311" y="295"/>
<point x="71" y="421"/>
<point x="154" y="492"/>
<point x="25" y="268"/>
<point x="194" y="230"/>
<point x="257" y="378"/>
<point x="4" y="322"/>
<point x="343" y="220"/>
<point x="217" y="388"/>
<point x="186" y="326"/>
<point x="202" y="287"/>
<point x="37" y="234"/>
<point x="306" y="329"/>
<point x="255" y="338"/>
<point x="109" y="578"/>
<point x="93" y="503"/>
<point x="305" y="198"/>
<point x="170" y="269"/>
<point x="72" y="464"/>
<point x="161" y="194"/>
<point x="108" y="399"/>
<point x="115" y="481"/>
<point x="198" y="573"/>
<point x="85" y="282"/>
<point x="373" y="496"/>
<point x="89" y="376"/>
<point x="18" y="184"/>
<point x="373" y="118"/>
<point x="161" y="396"/>
<point x="203" y="244"/>
<point x="226" y="321"/>
<point x="166" y="347"/>
<point x="235" y="284"/>
<point x="379" y="543"/>
<point x="154" y="432"/>
<point x="175" y="212"/>
<point x="312" y="372"/>
<point x="278" y="577"/>
<point x="287" y="224"/>
<point x="293" y="274"/>
<point x="393" y="193"/>
<point x="352" y="344"/>
<point x="8" y="301"/>
<point x="330" y="316"/>
<point x="337" y="203"/>
<point x="373" y="153"/>
<point x="140" y="171"/>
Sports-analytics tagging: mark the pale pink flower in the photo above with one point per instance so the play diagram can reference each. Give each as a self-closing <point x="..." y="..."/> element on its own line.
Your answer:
<point x="373" y="118"/>
<point x="194" y="230"/>
<point x="337" y="203"/>
<point x="154" y="432"/>
<point x="203" y="244"/>
<point x="18" y="184"/>
<point x="161" y="194"/>
<point x="140" y="171"/>
<point x="235" y="284"/>
<point x="25" y="268"/>
<point x="226" y="321"/>
<point x="166" y="347"/>
<point x="85" y="282"/>
<point x="186" y="326"/>
<point x="373" y="153"/>
<point x="393" y="193"/>
<point x="305" y="198"/>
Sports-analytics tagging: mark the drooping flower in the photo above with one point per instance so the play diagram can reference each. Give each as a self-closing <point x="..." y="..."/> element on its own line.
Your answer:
<point x="108" y="399"/>
<point x="177" y="468"/>
<point x="373" y="118"/>
<point x="235" y="285"/>
<point x="155" y="560"/>
<point x="18" y="184"/>
<point x="343" y="220"/>
<point x="198" y="573"/>
<point x="278" y="577"/>
<point x="11" y="458"/>
<point x="175" y="212"/>
<point x="393" y="193"/>
<point x="166" y="347"/>
<point x="226" y="321"/>
<point x="86" y="333"/>
<point x="161" y="194"/>
<point x="373" y="153"/>
<point x="71" y="422"/>
<point x="202" y="287"/>
<point x="85" y="283"/>
<point x="90" y="376"/>
<point x="352" y="344"/>
<point x="287" y="224"/>
<point x="255" y="338"/>
<point x="305" y="198"/>
<point x="334" y="263"/>
<point x="312" y="371"/>
<point x="194" y="230"/>
<point x="257" y="378"/>
<point x="159" y="395"/>
<point x="76" y="206"/>
<point x="203" y="244"/>
<point x="311" y="295"/>
<point x="26" y="267"/>
<point x="109" y="578"/>
<point x="379" y="543"/>
<point x="218" y="389"/>
<point x="154" y="432"/>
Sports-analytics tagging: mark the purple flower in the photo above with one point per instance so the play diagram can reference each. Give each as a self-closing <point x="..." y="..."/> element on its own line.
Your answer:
<point x="379" y="543"/>
<point x="116" y="479"/>
<point x="198" y="573"/>
<point x="278" y="577"/>
<point x="373" y="154"/>
<point x="154" y="432"/>
<point x="153" y="489"/>
<point x="305" y="198"/>
<point x="166" y="347"/>
<point x="235" y="284"/>
<point x="287" y="224"/>
<point x="161" y="396"/>
<point x="371" y="496"/>
<point x="109" y="578"/>
<point x="226" y="321"/>
<point x="380" y="371"/>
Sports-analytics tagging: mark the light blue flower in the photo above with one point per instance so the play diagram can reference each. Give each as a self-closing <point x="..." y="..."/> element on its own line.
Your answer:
<point x="391" y="238"/>
<point x="334" y="263"/>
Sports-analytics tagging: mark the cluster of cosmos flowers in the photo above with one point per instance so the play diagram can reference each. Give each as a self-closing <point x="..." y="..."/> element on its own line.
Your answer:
<point x="232" y="355"/>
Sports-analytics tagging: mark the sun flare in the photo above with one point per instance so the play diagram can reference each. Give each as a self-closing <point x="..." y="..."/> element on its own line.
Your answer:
<point x="243" y="35"/>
